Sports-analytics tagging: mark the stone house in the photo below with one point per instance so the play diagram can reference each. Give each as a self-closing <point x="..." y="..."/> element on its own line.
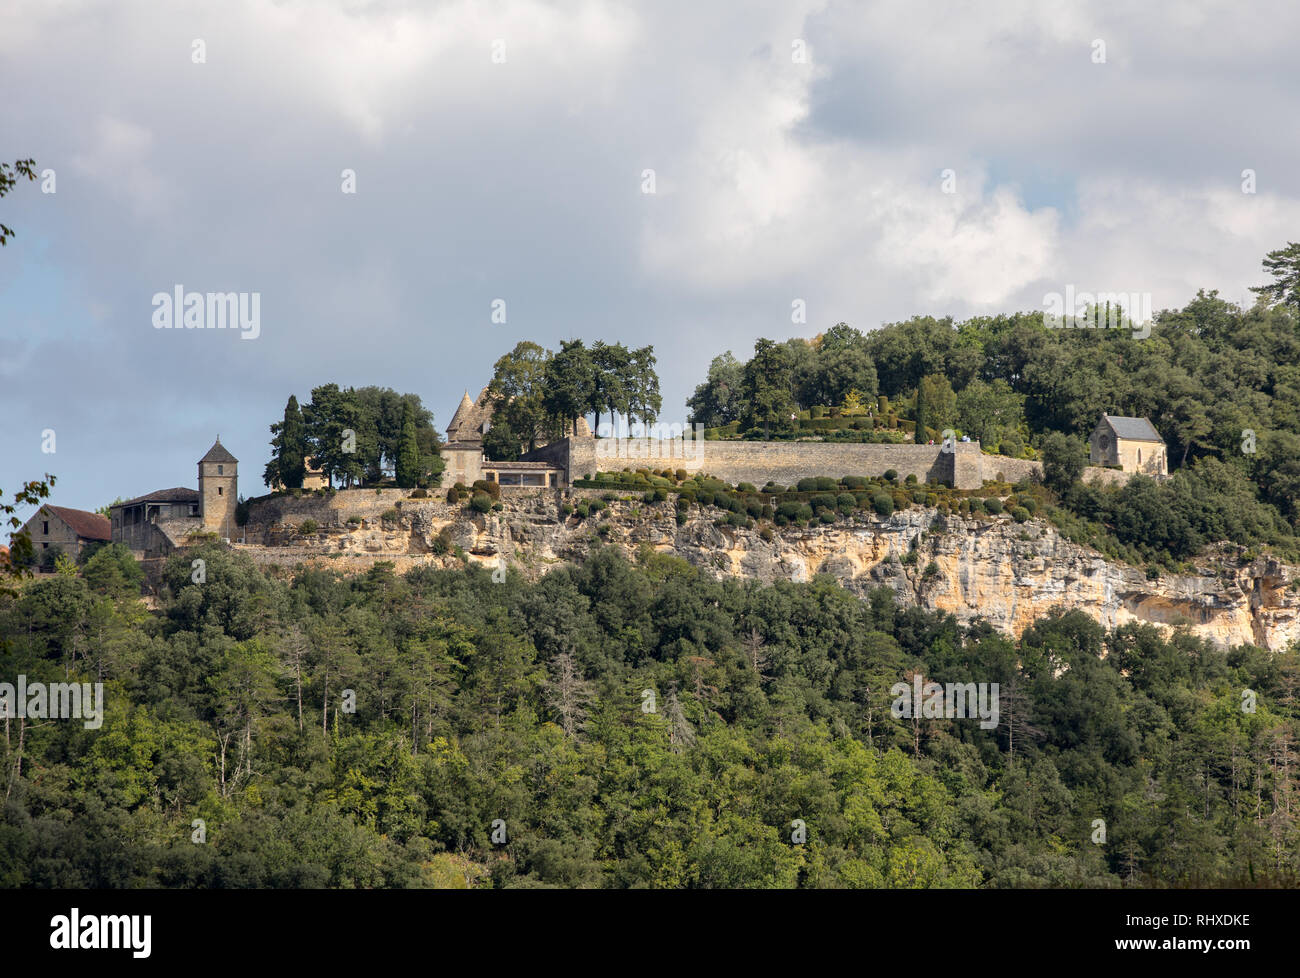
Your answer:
<point x="158" y="522"/>
<point x="463" y="452"/>
<point x="68" y="531"/>
<point x="1133" y="444"/>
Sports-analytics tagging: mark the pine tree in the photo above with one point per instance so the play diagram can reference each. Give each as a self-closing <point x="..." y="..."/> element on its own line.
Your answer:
<point x="408" y="454"/>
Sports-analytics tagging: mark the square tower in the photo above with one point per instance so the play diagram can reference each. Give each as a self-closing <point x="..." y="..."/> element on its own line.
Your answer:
<point x="218" y="490"/>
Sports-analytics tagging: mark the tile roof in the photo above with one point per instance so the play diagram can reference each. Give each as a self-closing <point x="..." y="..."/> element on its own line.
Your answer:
<point x="90" y="526"/>
<point x="218" y="453"/>
<point x="177" y="495"/>
<point x="1134" y="429"/>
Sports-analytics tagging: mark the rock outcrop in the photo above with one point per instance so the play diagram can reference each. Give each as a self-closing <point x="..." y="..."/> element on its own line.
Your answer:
<point x="992" y="568"/>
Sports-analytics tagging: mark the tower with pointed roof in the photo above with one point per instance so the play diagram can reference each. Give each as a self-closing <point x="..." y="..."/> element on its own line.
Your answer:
<point x="218" y="490"/>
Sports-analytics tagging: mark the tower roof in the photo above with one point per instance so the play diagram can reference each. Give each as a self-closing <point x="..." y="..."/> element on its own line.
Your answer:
<point x="218" y="453"/>
<point x="1133" y="429"/>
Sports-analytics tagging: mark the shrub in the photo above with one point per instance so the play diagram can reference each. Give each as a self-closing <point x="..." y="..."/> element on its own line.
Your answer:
<point x="826" y="484"/>
<point x="766" y="534"/>
<point x="754" y="509"/>
<point x="891" y="475"/>
<point x="766" y="513"/>
<point x="681" y="475"/>
<point x="582" y="510"/>
<point x="931" y="570"/>
<point x="918" y="496"/>
<point x="883" y="504"/>
<point x="845" y="501"/>
<point x="746" y="487"/>
<point x="974" y="505"/>
<point x="480" y="502"/>
<point x="704" y="498"/>
<point x="772" y="487"/>
<point x="1030" y="504"/>
<point x="790" y="510"/>
<point x="442" y="542"/>
<point x="804" y="513"/>
<point x="453" y="496"/>
<point x="596" y="505"/>
<point x="910" y="480"/>
<point x="308" y="527"/>
<point x="681" y="517"/>
<point x="648" y="496"/>
<point x="827" y="516"/>
<point x="807" y="485"/>
<point x="493" y="489"/>
<point x="823" y="500"/>
<point x="735" y="519"/>
<point x="1019" y="514"/>
<point x="993" y="504"/>
<point x="354" y="520"/>
<point x="660" y="494"/>
<point x="420" y="494"/>
<point x="931" y="499"/>
<point x="566" y="510"/>
<point x="854" y="482"/>
<point x="781" y="520"/>
<point x="391" y="515"/>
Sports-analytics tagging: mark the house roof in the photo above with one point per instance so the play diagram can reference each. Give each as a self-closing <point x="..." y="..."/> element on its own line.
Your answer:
<point x="1133" y="429"/>
<point x="177" y="495"/>
<point x="218" y="453"/>
<point x="89" y="526"/>
<point x="468" y="421"/>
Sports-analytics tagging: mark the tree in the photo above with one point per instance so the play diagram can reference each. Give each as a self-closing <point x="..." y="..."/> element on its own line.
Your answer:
<point x="643" y="397"/>
<point x="766" y="385"/>
<point x="9" y="177"/>
<point x="16" y="562"/>
<point x="940" y="405"/>
<point x="289" y="447"/>
<point x="719" y="400"/>
<point x="517" y="391"/>
<point x="570" y="382"/>
<point x="612" y="380"/>
<point x="407" y="470"/>
<point x="1284" y="265"/>
<point x="1064" y="459"/>
<point x="329" y="416"/>
<point x="568" y="694"/>
<point x="843" y="364"/>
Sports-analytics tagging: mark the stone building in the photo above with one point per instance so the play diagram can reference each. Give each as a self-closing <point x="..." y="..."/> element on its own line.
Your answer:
<point x="68" y="531"/>
<point x="463" y="453"/>
<point x="1133" y="444"/>
<point x="158" y="522"/>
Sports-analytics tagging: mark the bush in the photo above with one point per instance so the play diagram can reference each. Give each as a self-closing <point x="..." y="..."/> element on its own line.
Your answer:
<point x="420" y="494"/>
<point x="789" y="510"/>
<point x="480" y="502"/>
<point x="681" y="475"/>
<point x="391" y="515"/>
<point x="308" y="528"/>
<point x="582" y="511"/>
<point x="453" y="496"/>
<point x="974" y="505"/>
<point x="704" y="498"/>
<point x="781" y="520"/>
<point x="746" y="487"/>
<point x="754" y="509"/>
<point x="493" y="489"/>
<point x="826" y="484"/>
<point x="354" y="520"/>
<point x="766" y="534"/>
<point x="854" y="482"/>
<point x="845" y="501"/>
<point x="891" y="475"/>
<point x="1030" y="504"/>
<point x="883" y="504"/>
<point x="827" y="516"/>
<point x="910" y="480"/>
<point x="807" y="485"/>
<point x="566" y="510"/>
<point x="804" y="513"/>
<point x="596" y="505"/>
<point x="773" y="488"/>
<point x="993" y="505"/>
<point x="1019" y="514"/>
<point x="918" y="496"/>
<point x="660" y="494"/>
<point x="823" y="500"/>
<point x="442" y="542"/>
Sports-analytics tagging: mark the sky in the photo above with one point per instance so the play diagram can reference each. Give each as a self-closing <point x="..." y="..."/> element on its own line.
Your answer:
<point x="866" y="162"/>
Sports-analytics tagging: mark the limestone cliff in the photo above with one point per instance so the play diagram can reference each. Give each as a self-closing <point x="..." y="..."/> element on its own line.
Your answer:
<point x="994" y="568"/>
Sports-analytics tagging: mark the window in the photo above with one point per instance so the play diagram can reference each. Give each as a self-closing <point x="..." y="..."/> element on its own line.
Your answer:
<point x="45" y="527"/>
<point x="194" y="509"/>
<point x="1139" y="456"/>
<point x="221" y="470"/>
<point x="45" y="546"/>
<point x="220" y="491"/>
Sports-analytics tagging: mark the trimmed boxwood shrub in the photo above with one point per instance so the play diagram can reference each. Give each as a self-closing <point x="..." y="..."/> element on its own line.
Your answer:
<point x="660" y="494"/>
<point x="704" y="498"/>
<point x="804" y="513"/>
<point x="1030" y="504"/>
<point x="993" y="505"/>
<point x="918" y="496"/>
<point x="883" y="504"/>
<point x="827" y="516"/>
<point x="582" y="511"/>
<point x="1019" y="514"/>
<point x="491" y="488"/>
<point x="480" y="502"/>
<point x="453" y="496"/>
<point x="746" y="487"/>
<point x="754" y="509"/>
<point x="854" y="482"/>
<point x="789" y="510"/>
<point x="891" y="475"/>
<point x="845" y="501"/>
<point x="823" y="500"/>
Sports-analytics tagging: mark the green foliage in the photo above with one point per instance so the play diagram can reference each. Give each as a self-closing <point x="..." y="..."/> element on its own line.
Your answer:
<point x="883" y="504"/>
<point x="480" y="502"/>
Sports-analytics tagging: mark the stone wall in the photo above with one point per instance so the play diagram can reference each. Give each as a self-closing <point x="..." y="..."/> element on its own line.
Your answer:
<point x="783" y="462"/>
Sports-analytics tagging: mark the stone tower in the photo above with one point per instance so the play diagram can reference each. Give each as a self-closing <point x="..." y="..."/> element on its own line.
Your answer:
<point x="218" y="490"/>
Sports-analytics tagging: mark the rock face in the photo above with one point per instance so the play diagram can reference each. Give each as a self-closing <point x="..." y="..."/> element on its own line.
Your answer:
<point x="992" y="568"/>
